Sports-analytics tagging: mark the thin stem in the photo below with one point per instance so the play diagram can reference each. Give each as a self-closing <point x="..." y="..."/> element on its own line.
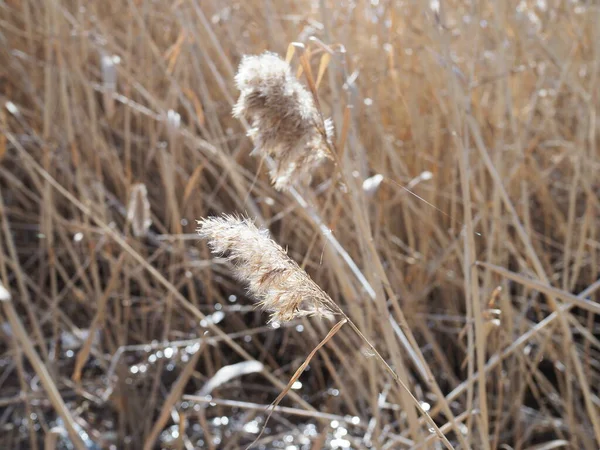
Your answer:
<point x="40" y="369"/>
<point x="297" y="374"/>
<point x="397" y="378"/>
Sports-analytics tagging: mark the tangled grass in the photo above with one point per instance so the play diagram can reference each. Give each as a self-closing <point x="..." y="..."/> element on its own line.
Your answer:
<point x="454" y="219"/>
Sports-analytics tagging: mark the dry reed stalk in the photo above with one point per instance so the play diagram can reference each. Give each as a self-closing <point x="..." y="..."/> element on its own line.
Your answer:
<point x="280" y="285"/>
<point x="182" y="301"/>
<point x="286" y="124"/>
<point x="204" y="399"/>
<point x="172" y="398"/>
<point x="528" y="87"/>
<point x="40" y="368"/>
<point x="108" y="65"/>
<point x="271" y="106"/>
<point x="297" y="374"/>
<point x="51" y="439"/>
<point x="98" y="321"/>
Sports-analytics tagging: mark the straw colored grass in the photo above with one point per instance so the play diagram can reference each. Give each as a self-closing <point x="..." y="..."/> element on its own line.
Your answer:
<point x="464" y="160"/>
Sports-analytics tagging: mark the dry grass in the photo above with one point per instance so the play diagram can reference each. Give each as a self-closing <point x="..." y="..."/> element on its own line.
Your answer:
<point x="466" y="160"/>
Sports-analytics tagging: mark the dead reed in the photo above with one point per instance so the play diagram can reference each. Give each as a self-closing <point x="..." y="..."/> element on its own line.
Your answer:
<point x="280" y="285"/>
<point x="138" y="210"/>
<point x="285" y="123"/>
<point x="496" y="103"/>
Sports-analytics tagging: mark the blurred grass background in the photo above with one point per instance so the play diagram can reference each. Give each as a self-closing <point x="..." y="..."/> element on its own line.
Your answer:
<point x="470" y="136"/>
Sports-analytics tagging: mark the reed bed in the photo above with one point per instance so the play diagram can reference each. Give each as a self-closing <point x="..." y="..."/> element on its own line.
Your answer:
<point x="432" y="210"/>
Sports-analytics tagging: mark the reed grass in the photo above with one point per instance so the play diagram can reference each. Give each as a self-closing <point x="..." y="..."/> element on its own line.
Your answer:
<point x="452" y="218"/>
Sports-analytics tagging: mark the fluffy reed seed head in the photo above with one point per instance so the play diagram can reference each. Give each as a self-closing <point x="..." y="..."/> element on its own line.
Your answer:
<point x="274" y="279"/>
<point x="138" y="210"/>
<point x="286" y="125"/>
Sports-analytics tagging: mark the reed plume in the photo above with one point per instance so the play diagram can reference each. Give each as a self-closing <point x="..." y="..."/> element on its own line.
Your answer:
<point x="282" y="287"/>
<point x="138" y="210"/>
<point x="274" y="279"/>
<point x="285" y="123"/>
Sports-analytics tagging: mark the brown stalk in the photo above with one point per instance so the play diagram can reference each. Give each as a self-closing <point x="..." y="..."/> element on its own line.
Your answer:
<point x="39" y="367"/>
<point x="172" y="398"/>
<point x="98" y="320"/>
<point x="296" y="375"/>
<point x="181" y="300"/>
<point x="504" y="97"/>
<point x="279" y="284"/>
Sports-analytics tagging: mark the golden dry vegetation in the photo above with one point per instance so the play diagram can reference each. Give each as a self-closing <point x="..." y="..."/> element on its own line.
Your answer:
<point x="456" y="227"/>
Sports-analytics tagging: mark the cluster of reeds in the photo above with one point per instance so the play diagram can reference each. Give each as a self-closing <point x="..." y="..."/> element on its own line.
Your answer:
<point x="454" y="242"/>
<point x="285" y="126"/>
